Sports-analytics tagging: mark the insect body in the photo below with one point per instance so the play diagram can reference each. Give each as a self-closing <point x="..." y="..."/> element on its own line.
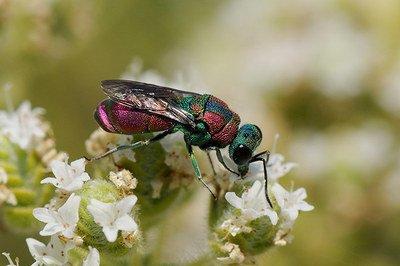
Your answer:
<point x="206" y="121"/>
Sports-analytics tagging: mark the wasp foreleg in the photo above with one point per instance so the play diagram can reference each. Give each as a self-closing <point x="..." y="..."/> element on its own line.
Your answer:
<point x="221" y="160"/>
<point x="211" y="162"/>
<point x="197" y="169"/>
<point x="265" y="163"/>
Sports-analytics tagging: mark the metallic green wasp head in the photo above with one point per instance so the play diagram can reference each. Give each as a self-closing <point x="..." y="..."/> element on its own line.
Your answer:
<point x="244" y="145"/>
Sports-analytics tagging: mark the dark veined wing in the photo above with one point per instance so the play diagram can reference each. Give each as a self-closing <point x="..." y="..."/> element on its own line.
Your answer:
<point x="152" y="98"/>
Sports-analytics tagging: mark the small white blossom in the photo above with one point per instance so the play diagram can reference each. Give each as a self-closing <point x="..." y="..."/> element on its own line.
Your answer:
<point x="113" y="217"/>
<point x="291" y="202"/>
<point x="6" y="195"/>
<point x="93" y="258"/>
<point x="3" y="176"/>
<point x="24" y="126"/>
<point x="68" y="177"/>
<point x="62" y="221"/>
<point x="10" y="261"/>
<point x="54" y="253"/>
<point x="236" y="226"/>
<point x="235" y="255"/>
<point x="253" y="203"/>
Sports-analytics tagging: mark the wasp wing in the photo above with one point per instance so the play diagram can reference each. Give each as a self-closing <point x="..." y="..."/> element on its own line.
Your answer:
<point x="152" y="98"/>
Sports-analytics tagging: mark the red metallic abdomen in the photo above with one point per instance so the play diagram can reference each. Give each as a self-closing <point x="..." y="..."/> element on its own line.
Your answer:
<point x="117" y="118"/>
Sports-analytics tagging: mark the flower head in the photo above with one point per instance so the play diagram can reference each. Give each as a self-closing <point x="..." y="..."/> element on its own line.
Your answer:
<point x="291" y="202"/>
<point x="93" y="258"/>
<point x="24" y="126"/>
<point x="114" y="216"/>
<point x="68" y="177"/>
<point x="54" y="253"/>
<point x="62" y="221"/>
<point x="253" y="203"/>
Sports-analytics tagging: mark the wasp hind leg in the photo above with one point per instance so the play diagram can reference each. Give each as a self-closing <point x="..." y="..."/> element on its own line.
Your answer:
<point x="132" y="146"/>
<point x="197" y="169"/>
<point x="211" y="162"/>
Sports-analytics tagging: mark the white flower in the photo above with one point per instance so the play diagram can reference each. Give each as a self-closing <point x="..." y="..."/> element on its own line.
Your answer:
<point x="10" y="261"/>
<point x="93" y="258"/>
<point x="62" y="221"/>
<point x="3" y="176"/>
<point x="253" y="203"/>
<point x="291" y="202"/>
<point x="114" y="216"/>
<point x="68" y="177"/>
<point x="55" y="253"/>
<point x="235" y="255"/>
<point x="276" y="168"/>
<point x="6" y="195"/>
<point x="24" y="126"/>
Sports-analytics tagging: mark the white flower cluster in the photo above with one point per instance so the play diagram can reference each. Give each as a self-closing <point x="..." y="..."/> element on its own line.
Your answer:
<point x="23" y="126"/>
<point x="252" y="204"/>
<point x="6" y="195"/>
<point x="62" y="221"/>
<point x="26" y="128"/>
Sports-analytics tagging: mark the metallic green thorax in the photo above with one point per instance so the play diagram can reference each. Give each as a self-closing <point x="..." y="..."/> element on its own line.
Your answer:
<point x="216" y="124"/>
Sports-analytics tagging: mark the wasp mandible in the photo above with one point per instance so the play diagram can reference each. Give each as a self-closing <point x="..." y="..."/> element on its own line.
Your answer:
<point x="206" y="122"/>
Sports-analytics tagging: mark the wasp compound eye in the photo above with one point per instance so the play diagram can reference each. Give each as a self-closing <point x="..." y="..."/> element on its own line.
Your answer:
<point x="242" y="155"/>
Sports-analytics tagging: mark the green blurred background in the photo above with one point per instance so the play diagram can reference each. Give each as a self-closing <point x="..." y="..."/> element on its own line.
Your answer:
<point x="323" y="74"/>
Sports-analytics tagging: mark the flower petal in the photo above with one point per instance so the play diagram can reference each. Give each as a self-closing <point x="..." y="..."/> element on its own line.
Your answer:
<point x="50" y="180"/>
<point x="126" y="223"/>
<point x="93" y="258"/>
<point x="101" y="212"/>
<point x="272" y="215"/>
<point x="69" y="211"/>
<point x="234" y="200"/>
<point x="44" y="215"/>
<point x="51" y="229"/>
<point x="79" y="165"/>
<point x="36" y="248"/>
<point x="125" y="205"/>
<point x="304" y="206"/>
<point x="111" y="233"/>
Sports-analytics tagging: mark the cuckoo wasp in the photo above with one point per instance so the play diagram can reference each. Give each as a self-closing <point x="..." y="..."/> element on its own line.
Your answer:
<point x="206" y="122"/>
